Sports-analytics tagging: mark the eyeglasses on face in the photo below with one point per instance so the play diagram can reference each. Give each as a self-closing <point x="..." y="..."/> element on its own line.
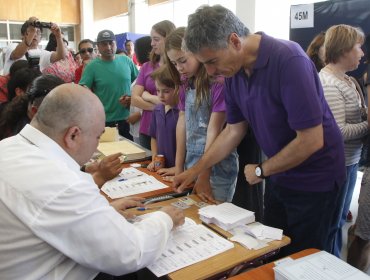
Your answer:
<point x="83" y="51"/>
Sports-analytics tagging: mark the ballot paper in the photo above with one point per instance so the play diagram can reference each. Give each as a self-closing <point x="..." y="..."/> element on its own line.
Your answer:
<point x="320" y="265"/>
<point x="255" y="235"/>
<point x="189" y="244"/>
<point x="260" y="231"/>
<point x="226" y="215"/>
<point x="131" y="181"/>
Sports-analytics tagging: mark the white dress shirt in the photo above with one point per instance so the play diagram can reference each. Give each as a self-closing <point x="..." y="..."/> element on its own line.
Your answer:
<point x="54" y="223"/>
<point x="45" y="57"/>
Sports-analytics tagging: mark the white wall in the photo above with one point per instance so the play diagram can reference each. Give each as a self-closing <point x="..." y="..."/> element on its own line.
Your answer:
<point x="270" y="16"/>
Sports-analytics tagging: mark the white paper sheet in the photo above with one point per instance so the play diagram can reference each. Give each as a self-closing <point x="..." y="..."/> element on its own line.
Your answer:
<point x="131" y="182"/>
<point x="189" y="245"/>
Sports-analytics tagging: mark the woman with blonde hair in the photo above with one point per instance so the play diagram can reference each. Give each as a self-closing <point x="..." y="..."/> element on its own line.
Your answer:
<point x="343" y="54"/>
<point x="144" y="93"/>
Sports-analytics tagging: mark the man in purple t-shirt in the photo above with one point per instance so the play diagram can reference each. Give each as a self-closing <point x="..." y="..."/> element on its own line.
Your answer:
<point x="273" y="87"/>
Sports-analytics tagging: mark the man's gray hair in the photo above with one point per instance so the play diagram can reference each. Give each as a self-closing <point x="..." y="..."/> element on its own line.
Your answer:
<point x="211" y="26"/>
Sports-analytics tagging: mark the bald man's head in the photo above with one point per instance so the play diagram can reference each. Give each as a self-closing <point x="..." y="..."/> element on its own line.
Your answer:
<point x="71" y="115"/>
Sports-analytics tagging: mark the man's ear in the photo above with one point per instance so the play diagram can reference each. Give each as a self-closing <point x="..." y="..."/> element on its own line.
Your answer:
<point x="235" y="41"/>
<point x="33" y="111"/>
<point x="72" y="137"/>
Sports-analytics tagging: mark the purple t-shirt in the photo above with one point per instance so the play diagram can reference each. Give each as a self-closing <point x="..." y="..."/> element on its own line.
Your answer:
<point x="147" y="82"/>
<point x="217" y="97"/>
<point x="283" y="95"/>
<point x="163" y="129"/>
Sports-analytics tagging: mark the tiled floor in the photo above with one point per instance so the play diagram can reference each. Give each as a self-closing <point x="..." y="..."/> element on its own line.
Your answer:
<point x="354" y="208"/>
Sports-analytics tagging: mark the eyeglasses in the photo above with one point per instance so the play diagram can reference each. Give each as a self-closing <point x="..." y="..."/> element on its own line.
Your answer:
<point x="83" y="51"/>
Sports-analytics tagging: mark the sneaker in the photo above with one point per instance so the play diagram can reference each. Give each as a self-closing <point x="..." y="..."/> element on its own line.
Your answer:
<point x="349" y="218"/>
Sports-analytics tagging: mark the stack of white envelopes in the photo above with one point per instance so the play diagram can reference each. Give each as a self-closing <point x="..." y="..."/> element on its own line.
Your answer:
<point x="226" y="215"/>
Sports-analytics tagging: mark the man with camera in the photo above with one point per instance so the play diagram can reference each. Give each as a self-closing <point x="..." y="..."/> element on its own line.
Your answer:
<point x="28" y="49"/>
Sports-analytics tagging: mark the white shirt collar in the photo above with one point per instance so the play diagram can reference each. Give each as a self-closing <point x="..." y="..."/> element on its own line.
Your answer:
<point x="48" y="145"/>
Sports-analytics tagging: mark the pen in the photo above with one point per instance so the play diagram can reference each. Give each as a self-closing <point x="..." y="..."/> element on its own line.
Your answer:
<point x="215" y="230"/>
<point x="148" y="208"/>
<point x="122" y="179"/>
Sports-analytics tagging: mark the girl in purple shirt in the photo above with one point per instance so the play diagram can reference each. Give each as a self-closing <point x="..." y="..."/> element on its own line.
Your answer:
<point x="201" y="119"/>
<point x="144" y="95"/>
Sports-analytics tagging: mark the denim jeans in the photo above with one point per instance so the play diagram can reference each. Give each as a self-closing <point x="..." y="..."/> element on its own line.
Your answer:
<point x="225" y="173"/>
<point x="306" y="217"/>
<point x="344" y="202"/>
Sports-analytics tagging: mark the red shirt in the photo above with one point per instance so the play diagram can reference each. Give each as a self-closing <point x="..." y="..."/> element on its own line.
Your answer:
<point x="3" y="88"/>
<point x="78" y="73"/>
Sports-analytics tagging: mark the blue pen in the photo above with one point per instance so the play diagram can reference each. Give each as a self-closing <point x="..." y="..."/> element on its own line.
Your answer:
<point x="122" y="179"/>
<point x="148" y="208"/>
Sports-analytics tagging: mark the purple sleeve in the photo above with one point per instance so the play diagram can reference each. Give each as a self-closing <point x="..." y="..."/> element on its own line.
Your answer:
<point x="304" y="110"/>
<point x="181" y="105"/>
<point x="218" y="97"/>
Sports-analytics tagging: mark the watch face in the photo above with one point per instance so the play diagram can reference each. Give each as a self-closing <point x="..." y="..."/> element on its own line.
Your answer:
<point x="258" y="171"/>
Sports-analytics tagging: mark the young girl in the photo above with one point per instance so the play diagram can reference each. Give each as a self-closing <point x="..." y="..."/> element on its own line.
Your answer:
<point x="201" y="119"/>
<point x="144" y="92"/>
<point x="163" y="124"/>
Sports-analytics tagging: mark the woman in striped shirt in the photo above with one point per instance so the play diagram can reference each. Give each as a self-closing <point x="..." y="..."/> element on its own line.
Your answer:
<point x="342" y="54"/>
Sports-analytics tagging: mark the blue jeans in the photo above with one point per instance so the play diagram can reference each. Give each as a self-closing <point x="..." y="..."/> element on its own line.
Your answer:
<point x="306" y="217"/>
<point x="344" y="202"/>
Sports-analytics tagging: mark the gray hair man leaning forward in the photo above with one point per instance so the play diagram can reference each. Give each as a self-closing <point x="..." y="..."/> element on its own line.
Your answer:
<point x="54" y="223"/>
<point x="272" y="86"/>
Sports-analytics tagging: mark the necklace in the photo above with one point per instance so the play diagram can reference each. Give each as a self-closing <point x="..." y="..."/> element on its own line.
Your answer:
<point x="340" y="75"/>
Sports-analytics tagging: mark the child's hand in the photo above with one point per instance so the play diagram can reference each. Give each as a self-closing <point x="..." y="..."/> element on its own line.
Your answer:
<point x="203" y="190"/>
<point x="168" y="178"/>
<point x="150" y="166"/>
<point x="166" y="171"/>
<point x="134" y="118"/>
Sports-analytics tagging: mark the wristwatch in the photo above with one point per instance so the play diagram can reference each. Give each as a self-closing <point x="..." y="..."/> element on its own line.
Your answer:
<point x="259" y="171"/>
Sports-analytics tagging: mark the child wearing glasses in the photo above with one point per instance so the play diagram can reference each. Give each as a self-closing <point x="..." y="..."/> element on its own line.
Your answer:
<point x="87" y="53"/>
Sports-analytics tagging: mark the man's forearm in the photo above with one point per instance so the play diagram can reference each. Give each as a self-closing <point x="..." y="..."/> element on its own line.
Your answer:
<point x="20" y="50"/>
<point x="297" y="151"/>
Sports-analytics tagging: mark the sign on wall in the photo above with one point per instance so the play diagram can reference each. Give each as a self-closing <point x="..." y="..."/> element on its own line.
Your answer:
<point x="301" y="16"/>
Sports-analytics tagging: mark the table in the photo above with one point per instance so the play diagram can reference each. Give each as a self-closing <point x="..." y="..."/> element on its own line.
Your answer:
<point x="155" y="193"/>
<point x="266" y="271"/>
<point x="224" y="263"/>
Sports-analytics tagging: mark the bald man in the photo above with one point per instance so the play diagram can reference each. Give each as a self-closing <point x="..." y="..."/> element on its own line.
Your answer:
<point x="54" y="224"/>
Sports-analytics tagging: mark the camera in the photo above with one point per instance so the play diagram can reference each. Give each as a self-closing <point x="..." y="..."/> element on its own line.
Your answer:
<point x="41" y="24"/>
<point x="33" y="58"/>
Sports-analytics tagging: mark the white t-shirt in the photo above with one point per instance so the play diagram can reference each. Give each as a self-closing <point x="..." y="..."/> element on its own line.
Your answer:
<point x="44" y="58"/>
<point x="55" y="224"/>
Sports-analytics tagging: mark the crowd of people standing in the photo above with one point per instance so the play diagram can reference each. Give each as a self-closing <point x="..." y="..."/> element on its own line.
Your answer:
<point x="194" y="92"/>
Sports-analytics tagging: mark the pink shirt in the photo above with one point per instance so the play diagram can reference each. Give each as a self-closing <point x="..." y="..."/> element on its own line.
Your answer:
<point x="147" y="82"/>
<point x="64" y="68"/>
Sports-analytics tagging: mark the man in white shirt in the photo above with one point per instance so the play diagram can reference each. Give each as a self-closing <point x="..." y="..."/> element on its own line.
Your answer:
<point x="54" y="223"/>
<point x="31" y="37"/>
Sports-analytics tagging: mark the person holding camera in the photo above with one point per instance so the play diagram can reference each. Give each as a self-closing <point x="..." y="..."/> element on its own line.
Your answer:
<point x="31" y="32"/>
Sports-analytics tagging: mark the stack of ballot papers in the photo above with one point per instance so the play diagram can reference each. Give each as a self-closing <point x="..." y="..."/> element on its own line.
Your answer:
<point x="188" y="244"/>
<point x="131" y="181"/>
<point x="320" y="265"/>
<point x="127" y="148"/>
<point x="255" y="235"/>
<point x="226" y="215"/>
